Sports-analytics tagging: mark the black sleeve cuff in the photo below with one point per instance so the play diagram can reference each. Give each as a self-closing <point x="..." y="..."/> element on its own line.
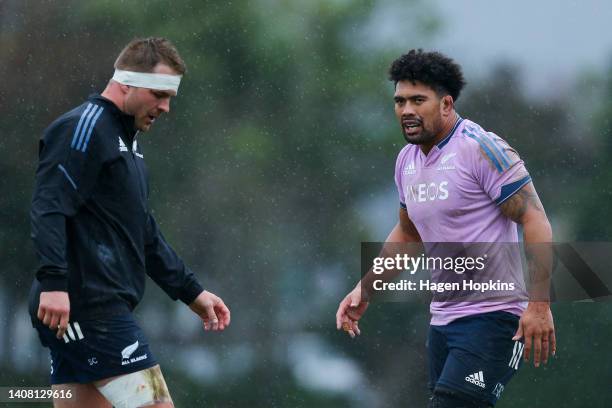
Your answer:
<point x="53" y="284"/>
<point x="191" y="292"/>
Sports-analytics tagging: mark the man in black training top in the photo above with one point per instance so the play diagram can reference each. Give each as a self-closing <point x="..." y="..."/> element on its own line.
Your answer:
<point x="95" y="238"/>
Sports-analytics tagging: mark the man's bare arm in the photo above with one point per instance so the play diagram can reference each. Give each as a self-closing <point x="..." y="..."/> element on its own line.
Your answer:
<point x="404" y="230"/>
<point x="536" y="324"/>
<point x="403" y="233"/>
<point x="525" y="208"/>
<point x="523" y="205"/>
<point x="354" y="305"/>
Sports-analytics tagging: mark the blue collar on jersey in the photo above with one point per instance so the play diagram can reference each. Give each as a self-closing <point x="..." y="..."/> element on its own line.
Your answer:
<point x="447" y="138"/>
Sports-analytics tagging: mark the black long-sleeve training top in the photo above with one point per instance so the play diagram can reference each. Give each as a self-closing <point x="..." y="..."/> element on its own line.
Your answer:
<point x="92" y="229"/>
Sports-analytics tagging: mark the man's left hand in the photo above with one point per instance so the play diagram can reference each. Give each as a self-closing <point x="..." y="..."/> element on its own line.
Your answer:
<point x="538" y="329"/>
<point x="212" y="311"/>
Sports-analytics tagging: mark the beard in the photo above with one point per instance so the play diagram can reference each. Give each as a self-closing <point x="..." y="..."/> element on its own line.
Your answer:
<point x="423" y="137"/>
<point x="426" y="136"/>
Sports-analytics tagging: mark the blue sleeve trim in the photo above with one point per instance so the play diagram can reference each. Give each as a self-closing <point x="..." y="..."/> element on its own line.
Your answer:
<point x="63" y="169"/>
<point x="77" y="132"/>
<point x="93" y="124"/>
<point x="508" y="190"/>
<point x="487" y="151"/>
<point x="88" y="119"/>
<point x="85" y="127"/>
<point x="499" y="149"/>
<point x="403" y="205"/>
<point x="495" y="146"/>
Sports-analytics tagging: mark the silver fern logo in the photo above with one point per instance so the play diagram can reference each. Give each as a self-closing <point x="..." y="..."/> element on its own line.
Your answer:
<point x="127" y="352"/>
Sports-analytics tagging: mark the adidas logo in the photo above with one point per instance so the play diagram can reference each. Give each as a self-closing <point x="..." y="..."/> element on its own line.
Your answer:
<point x="476" y="379"/>
<point x="73" y="332"/>
<point x="516" y="355"/>
<point x="410" y="169"/>
<point x="122" y="146"/>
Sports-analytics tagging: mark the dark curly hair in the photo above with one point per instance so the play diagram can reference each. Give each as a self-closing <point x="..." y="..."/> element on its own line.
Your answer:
<point x="433" y="69"/>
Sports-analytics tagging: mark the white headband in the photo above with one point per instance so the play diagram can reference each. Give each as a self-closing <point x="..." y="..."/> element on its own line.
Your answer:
<point x="160" y="82"/>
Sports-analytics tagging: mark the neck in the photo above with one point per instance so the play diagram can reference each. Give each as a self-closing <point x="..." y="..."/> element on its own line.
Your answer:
<point x="114" y="95"/>
<point x="447" y="125"/>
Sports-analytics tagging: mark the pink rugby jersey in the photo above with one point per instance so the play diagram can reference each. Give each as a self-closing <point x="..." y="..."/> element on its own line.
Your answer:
<point x="453" y="194"/>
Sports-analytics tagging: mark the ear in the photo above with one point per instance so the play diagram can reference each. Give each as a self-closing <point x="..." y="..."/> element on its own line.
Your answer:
<point x="447" y="105"/>
<point x="124" y="88"/>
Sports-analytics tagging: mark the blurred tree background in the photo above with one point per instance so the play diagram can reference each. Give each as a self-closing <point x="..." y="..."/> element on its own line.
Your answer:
<point x="266" y="176"/>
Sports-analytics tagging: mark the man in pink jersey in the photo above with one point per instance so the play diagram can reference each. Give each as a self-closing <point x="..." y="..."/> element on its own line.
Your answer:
<point x="458" y="183"/>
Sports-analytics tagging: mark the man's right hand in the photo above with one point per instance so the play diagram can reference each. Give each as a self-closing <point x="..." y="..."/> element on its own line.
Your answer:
<point x="54" y="311"/>
<point x="350" y="311"/>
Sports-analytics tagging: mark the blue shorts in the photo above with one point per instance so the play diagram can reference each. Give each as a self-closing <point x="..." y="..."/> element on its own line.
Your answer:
<point x="474" y="356"/>
<point x="93" y="350"/>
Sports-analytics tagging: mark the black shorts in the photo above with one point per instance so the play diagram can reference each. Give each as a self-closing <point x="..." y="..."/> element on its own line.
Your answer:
<point x="93" y="350"/>
<point x="475" y="355"/>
